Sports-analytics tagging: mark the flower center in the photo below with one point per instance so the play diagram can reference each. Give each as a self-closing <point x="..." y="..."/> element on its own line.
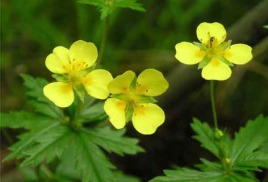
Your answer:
<point x="132" y="97"/>
<point x="213" y="47"/>
<point x="75" y="68"/>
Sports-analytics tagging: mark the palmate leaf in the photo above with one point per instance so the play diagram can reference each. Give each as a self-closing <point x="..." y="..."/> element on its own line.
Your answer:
<point x="252" y="162"/>
<point x="121" y="177"/>
<point x="209" y="175"/>
<point x="205" y="135"/>
<point x="245" y="155"/>
<point x="50" y="145"/>
<point x="114" y="141"/>
<point x="209" y="166"/>
<point x="67" y="168"/>
<point x="132" y="4"/>
<point x="34" y="90"/>
<point x="93" y="113"/>
<point x="90" y="160"/>
<point x="247" y="142"/>
<point x="29" y="139"/>
<point x="189" y="175"/>
<point x="107" y="6"/>
<point x="52" y="139"/>
<point x="22" y="119"/>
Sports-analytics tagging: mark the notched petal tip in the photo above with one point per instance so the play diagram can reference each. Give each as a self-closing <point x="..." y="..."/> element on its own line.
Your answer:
<point x="57" y="60"/>
<point x="151" y="82"/>
<point x="216" y="70"/>
<point x="188" y="53"/>
<point x="61" y="94"/>
<point x="96" y="83"/>
<point x="115" y="109"/>
<point x="121" y="83"/>
<point x="239" y="54"/>
<point x="84" y="51"/>
<point x="205" y="31"/>
<point x="147" y="118"/>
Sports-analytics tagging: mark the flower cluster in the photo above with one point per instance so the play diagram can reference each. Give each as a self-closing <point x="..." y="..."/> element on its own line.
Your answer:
<point x="131" y="97"/>
<point x="214" y="54"/>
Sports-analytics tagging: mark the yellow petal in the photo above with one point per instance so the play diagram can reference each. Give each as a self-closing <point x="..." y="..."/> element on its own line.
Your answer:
<point x="239" y="54"/>
<point x="115" y="109"/>
<point x="84" y="51"/>
<point x="147" y="118"/>
<point x="121" y="83"/>
<point x="205" y="31"/>
<point x="61" y="94"/>
<point x="216" y="70"/>
<point x="96" y="83"/>
<point x="188" y="53"/>
<point x="57" y="60"/>
<point x="151" y="83"/>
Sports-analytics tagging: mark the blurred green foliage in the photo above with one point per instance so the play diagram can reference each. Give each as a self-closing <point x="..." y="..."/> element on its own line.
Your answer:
<point x="30" y="30"/>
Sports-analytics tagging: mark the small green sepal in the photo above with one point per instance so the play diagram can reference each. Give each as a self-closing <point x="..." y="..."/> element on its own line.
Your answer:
<point x="201" y="46"/>
<point x="146" y="99"/>
<point x="80" y="91"/>
<point x="224" y="60"/>
<point x="225" y="45"/>
<point x="129" y="112"/>
<point x="204" y="62"/>
<point x="61" y="77"/>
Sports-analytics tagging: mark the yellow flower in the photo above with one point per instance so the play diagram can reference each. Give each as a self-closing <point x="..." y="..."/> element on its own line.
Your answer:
<point x="71" y="68"/>
<point x="214" y="54"/>
<point x="132" y="99"/>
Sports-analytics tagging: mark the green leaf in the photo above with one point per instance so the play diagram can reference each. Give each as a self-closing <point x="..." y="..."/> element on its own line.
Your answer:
<point x="22" y="119"/>
<point x="66" y="166"/>
<point x="107" y="6"/>
<point x="120" y="177"/>
<point x="265" y="26"/>
<point x="132" y="4"/>
<point x="92" y="112"/>
<point x="205" y="135"/>
<point x="49" y="145"/>
<point x="99" y="3"/>
<point x="67" y="169"/>
<point x="29" y="173"/>
<point x="188" y="175"/>
<point x="90" y="160"/>
<point x="40" y="103"/>
<point x="28" y="139"/>
<point x="249" y="139"/>
<point x="114" y="141"/>
<point x="238" y="159"/>
<point x="252" y="162"/>
<point x="209" y="166"/>
<point x="236" y="177"/>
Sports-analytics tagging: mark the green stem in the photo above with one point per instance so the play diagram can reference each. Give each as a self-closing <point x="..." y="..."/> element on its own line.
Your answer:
<point x="213" y="106"/>
<point x="103" y="39"/>
<point x="74" y="122"/>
